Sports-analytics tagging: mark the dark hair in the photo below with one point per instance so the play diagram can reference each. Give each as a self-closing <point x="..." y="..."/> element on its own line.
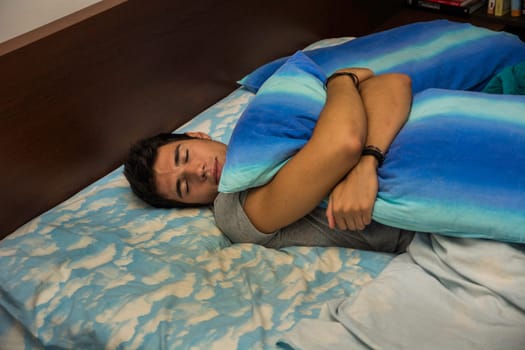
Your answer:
<point x="138" y="169"/>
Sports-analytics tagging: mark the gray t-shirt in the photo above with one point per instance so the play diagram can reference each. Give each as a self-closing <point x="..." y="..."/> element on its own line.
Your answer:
<point x="312" y="230"/>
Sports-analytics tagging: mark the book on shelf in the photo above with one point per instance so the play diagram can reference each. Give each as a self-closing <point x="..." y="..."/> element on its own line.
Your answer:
<point x="454" y="2"/>
<point x="467" y="9"/>
<point x="491" y="6"/>
<point x="515" y="8"/>
<point x="502" y="7"/>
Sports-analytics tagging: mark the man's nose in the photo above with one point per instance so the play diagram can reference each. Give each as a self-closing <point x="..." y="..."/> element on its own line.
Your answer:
<point x="195" y="170"/>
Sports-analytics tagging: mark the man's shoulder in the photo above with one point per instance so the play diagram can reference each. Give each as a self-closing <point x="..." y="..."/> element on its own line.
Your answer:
<point x="227" y="198"/>
<point x="226" y="205"/>
<point x="233" y="222"/>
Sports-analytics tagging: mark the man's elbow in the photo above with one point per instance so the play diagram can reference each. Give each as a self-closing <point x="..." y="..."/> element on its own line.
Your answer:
<point x="401" y="81"/>
<point x="352" y="147"/>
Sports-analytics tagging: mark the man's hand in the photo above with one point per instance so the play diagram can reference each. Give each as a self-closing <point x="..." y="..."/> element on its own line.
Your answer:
<point x="387" y="101"/>
<point x="351" y="202"/>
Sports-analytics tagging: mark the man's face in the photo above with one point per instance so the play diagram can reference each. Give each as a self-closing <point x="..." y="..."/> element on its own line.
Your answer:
<point x="189" y="171"/>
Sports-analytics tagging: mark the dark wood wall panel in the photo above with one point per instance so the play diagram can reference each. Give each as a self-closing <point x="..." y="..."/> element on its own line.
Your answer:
<point x="72" y="103"/>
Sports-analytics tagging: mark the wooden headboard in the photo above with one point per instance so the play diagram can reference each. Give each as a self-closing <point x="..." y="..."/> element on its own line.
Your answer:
<point x="72" y="102"/>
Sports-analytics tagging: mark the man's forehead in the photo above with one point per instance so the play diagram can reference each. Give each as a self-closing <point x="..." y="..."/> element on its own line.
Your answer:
<point x="164" y="157"/>
<point x="172" y="144"/>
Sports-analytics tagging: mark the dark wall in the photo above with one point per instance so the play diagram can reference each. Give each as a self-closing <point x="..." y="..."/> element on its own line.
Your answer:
<point x="73" y="102"/>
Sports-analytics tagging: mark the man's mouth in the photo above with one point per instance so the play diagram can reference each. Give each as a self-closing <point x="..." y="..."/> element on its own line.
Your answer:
<point x="218" y="171"/>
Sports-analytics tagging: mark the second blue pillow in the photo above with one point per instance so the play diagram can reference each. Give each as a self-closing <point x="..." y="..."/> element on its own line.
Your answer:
<point x="435" y="54"/>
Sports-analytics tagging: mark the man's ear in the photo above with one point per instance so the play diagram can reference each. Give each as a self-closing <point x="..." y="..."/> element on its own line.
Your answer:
<point x="199" y="135"/>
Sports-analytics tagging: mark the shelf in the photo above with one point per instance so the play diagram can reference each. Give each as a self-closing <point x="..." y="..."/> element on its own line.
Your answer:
<point x="409" y="14"/>
<point x="507" y="20"/>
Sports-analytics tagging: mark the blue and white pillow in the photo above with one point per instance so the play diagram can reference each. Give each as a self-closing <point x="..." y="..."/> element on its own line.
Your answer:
<point x="435" y="54"/>
<point x="275" y="125"/>
<point x="456" y="168"/>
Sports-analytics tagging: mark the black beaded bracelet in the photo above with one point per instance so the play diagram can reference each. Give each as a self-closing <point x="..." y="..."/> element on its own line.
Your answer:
<point x="354" y="77"/>
<point x="375" y="152"/>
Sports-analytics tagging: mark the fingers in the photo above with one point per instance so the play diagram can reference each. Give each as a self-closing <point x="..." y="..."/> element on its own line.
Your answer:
<point x="352" y="200"/>
<point x="330" y="214"/>
<point x="353" y="222"/>
<point x="348" y="218"/>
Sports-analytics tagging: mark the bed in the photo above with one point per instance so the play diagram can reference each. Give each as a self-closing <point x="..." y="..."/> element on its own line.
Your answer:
<point x="101" y="269"/>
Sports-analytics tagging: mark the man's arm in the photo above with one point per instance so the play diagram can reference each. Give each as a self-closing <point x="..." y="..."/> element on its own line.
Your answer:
<point x="334" y="148"/>
<point x="387" y="100"/>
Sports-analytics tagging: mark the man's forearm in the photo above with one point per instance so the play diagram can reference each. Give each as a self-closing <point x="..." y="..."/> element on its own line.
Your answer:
<point x="387" y="99"/>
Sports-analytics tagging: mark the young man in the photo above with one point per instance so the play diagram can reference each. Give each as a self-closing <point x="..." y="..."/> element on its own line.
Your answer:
<point x="362" y="115"/>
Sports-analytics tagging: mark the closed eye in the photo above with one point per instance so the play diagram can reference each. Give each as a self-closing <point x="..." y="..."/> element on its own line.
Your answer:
<point x="177" y="155"/>
<point x="177" y="161"/>
<point x="178" y="189"/>
<point x="179" y="184"/>
<point x="186" y="160"/>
